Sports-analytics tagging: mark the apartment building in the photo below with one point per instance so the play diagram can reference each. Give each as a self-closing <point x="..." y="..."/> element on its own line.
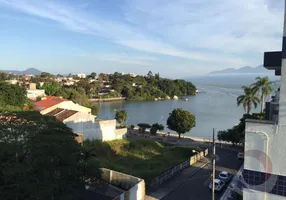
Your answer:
<point x="264" y="171"/>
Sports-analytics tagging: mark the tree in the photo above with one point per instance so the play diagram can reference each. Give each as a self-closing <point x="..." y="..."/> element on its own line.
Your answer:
<point x="150" y="74"/>
<point x="236" y="134"/>
<point x="156" y="127"/>
<point x="181" y="121"/>
<point x="40" y="159"/>
<point x="12" y="97"/>
<point x="52" y="88"/>
<point x="3" y="76"/>
<point x="121" y="116"/>
<point x="248" y="99"/>
<point x="262" y="86"/>
<point x="143" y="126"/>
<point x="45" y="74"/>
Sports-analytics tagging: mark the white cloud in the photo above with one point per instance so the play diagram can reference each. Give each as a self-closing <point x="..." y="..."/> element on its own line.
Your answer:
<point x="219" y="32"/>
<point x="122" y="58"/>
<point x="225" y="26"/>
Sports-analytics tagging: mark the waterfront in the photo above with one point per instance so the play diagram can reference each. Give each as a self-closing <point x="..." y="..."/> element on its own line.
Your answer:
<point x="214" y="107"/>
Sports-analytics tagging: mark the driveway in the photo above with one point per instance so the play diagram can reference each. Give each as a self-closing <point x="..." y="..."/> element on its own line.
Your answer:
<point x="197" y="187"/>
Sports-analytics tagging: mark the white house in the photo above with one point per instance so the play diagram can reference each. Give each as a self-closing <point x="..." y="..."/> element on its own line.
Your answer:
<point x="34" y="94"/>
<point x="80" y="119"/>
<point x="81" y="75"/>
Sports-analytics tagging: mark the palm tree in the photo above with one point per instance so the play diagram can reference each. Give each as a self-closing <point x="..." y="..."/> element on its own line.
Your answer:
<point x="248" y="99"/>
<point x="263" y="87"/>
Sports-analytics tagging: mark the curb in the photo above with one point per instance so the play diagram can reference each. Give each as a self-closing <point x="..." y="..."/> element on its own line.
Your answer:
<point x="194" y="172"/>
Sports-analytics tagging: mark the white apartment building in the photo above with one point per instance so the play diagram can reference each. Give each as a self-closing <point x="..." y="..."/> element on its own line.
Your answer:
<point x="265" y="141"/>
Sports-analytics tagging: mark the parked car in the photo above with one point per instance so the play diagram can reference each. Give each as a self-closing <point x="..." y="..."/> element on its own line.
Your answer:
<point x="240" y="156"/>
<point x="219" y="185"/>
<point x="225" y="176"/>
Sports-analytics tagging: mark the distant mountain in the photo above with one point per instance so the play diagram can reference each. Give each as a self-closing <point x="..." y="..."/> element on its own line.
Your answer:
<point x="244" y="70"/>
<point x="27" y="71"/>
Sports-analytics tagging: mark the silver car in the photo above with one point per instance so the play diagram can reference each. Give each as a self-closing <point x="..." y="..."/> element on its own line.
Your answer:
<point x="219" y="185"/>
<point x="225" y="176"/>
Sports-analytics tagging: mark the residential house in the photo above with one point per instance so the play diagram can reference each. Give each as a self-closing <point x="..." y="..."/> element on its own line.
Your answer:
<point x="81" y="75"/>
<point x="264" y="170"/>
<point x="80" y="119"/>
<point x="13" y="81"/>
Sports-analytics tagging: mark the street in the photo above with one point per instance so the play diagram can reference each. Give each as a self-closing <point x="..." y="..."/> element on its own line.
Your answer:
<point x="196" y="188"/>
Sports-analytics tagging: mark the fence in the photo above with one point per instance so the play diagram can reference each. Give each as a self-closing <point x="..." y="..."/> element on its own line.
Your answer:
<point x="178" y="168"/>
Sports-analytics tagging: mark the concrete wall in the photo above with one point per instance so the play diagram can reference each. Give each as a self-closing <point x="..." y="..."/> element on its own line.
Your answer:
<point x="104" y="130"/>
<point x="33" y="94"/>
<point x="120" y="133"/>
<point x="269" y="139"/>
<point x="257" y="195"/>
<point x="178" y="168"/>
<point x="134" y="187"/>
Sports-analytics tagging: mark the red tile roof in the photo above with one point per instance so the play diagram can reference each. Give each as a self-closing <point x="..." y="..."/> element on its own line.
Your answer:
<point x="48" y="101"/>
<point x="61" y="114"/>
<point x="65" y="114"/>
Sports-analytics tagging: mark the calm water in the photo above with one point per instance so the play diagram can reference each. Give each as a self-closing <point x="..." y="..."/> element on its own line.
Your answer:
<point x="214" y="107"/>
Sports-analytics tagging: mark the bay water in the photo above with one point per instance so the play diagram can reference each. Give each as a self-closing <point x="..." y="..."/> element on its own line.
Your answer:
<point x="214" y="107"/>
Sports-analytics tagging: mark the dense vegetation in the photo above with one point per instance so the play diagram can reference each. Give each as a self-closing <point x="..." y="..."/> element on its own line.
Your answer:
<point x="236" y="134"/>
<point x="13" y="98"/>
<point x="78" y="94"/>
<point x="40" y="159"/>
<point x="149" y="87"/>
<point x="139" y="157"/>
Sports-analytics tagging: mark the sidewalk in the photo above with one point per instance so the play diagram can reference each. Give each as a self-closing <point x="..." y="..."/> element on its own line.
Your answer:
<point x="174" y="182"/>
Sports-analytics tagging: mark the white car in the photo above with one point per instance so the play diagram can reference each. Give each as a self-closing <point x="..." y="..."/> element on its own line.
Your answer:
<point x="219" y="185"/>
<point x="225" y="176"/>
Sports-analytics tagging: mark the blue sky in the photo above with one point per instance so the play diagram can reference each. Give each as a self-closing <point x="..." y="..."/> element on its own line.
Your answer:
<point x="178" y="38"/>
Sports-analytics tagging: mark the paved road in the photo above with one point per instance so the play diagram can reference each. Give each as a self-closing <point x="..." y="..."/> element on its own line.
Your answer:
<point x="197" y="187"/>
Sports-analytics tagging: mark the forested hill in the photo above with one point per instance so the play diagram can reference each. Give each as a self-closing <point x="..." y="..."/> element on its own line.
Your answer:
<point x="149" y="87"/>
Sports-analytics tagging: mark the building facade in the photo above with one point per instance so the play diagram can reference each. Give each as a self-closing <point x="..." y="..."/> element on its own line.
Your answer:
<point x="264" y="171"/>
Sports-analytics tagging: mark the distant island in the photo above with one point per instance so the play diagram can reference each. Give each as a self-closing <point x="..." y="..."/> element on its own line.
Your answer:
<point x="244" y="70"/>
<point x="32" y="71"/>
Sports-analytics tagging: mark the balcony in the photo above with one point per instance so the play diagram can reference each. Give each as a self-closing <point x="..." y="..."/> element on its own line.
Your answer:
<point x="272" y="108"/>
<point x="273" y="61"/>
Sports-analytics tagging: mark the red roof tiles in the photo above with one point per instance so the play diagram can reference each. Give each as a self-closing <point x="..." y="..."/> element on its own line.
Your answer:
<point x="48" y="101"/>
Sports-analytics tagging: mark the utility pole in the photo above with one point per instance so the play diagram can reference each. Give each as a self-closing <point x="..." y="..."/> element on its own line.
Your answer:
<point x="213" y="175"/>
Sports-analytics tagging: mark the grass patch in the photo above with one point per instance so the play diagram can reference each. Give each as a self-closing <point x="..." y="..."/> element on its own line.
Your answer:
<point x="142" y="158"/>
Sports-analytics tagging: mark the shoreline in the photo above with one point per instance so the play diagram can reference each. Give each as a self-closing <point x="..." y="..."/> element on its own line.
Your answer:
<point x="108" y="99"/>
<point x="195" y="139"/>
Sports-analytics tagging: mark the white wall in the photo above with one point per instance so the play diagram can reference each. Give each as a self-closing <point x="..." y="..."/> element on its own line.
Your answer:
<point x="257" y="195"/>
<point x="104" y="130"/>
<point x="270" y="139"/>
<point x="69" y="105"/>
<point x="73" y="106"/>
<point x="33" y="94"/>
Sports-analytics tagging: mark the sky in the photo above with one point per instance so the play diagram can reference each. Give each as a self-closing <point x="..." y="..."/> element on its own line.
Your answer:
<point x="178" y="38"/>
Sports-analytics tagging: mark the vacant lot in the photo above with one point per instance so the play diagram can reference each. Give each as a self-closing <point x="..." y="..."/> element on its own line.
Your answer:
<point x="139" y="157"/>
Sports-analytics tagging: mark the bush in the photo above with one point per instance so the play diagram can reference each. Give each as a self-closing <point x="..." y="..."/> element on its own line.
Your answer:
<point x="144" y="125"/>
<point x="132" y="127"/>
<point x="153" y="130"/>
